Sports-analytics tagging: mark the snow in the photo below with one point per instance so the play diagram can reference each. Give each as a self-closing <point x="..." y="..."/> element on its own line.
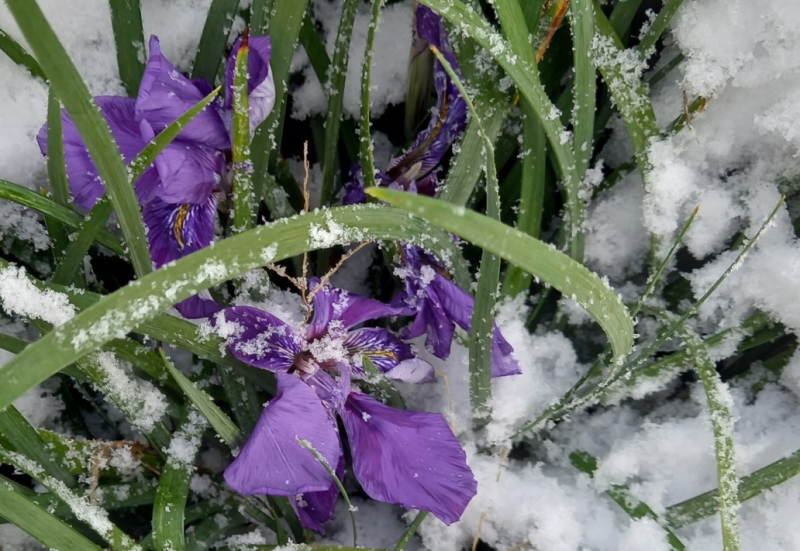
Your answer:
<point x="655" y="437"/>
<point x="389" y="67"/>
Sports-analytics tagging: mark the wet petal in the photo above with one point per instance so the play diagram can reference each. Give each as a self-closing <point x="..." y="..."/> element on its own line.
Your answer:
<point x="384" y="349"/>
<point x="188" y="171"/>
<point x="165" y="94"/>
<point x="432" y="320"/>
<point x="84" y="181"/>
<point x="200" y="305"/>
<point x="260" y="339"/>
<point x="503" y="361"/>
<point x="459" y="305"/>
<point x="316" y="508"/>
<point x="272" y="461"/>
<point x="408" y="457"/>
<point x="260" y="86"/>
<point x="413" y="370"/>
<point x="448" y="122"/>
<point x="351" y="309"/>
<point x="177" y="229"/>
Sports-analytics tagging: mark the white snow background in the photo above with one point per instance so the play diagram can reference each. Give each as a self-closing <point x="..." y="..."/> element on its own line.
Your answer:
<point x="744" y="55"/>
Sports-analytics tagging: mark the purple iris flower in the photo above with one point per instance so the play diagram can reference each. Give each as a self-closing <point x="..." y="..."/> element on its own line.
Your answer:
<point x="439" y="305"/>
<point x="405" y="457"/>
<point x="415" y="170"/>
<point x="179" y="191"/>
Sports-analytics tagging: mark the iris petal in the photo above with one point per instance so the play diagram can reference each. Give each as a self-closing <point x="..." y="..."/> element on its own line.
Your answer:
<point x="260" y="85"/>
<point x="408" y="457"/>
<point x="272" y="460"/>
<point x="177" y="229"/>
<point x="263" y="340"/>
<point x="316" y="508"/>
<point x="165" y="94"/>
<point x="84" y="181"/>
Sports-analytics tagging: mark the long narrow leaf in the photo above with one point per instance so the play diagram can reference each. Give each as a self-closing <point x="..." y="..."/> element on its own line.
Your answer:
<point x="214" y="39"/>
<point x="94" y="130"/>
<point x="18" y="55"/>
<point x="173" y="486"/>
<point x="132" y="306"/>
<point x="367" y="160"/>
<point x="541" y="260"/>
<point x="126" y="20"/>
<point x="242" y="167"/>
<point x="48" y="207"/>
<point x="519" y="61"/>
<point x="482" y="322"/>
<point x="333" y="117"/>
<point x="36" y="521"/>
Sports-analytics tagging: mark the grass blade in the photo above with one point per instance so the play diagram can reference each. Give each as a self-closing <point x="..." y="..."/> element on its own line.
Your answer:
<point x="24" y="439"/>
<point x="133" y="305"/>
<point x="218" y="420"/>
<point x="79" y="505"/>
<point x="581" y="15"/>
<point x="285" y="22"/>
<point x="541" y="260"/>
<point x="56" y="172"/>
<point x="622" y="496"/>
<point x="259" y="16"/>
<point x="48" y="207"/>
<point x="482" y="322"/>
<point x="214" y="39"/>
<point x="88" y="231"/>
<point x="531" y="202"/>
<point x="705" y="505"/>
<point x="20" y="56"/>
<point x="242" y="167"/>
<point x="719" y="404"/>
<point x="173" y="486"/>
<point x="367" y="160"/>
<point x="36" y="521"/>
<point x="75" y="96"/>
<point x="659" y="25"/>
<point x="126" y="20"/>
<point x="333" y="118"/>
<point x="519" y="61"/>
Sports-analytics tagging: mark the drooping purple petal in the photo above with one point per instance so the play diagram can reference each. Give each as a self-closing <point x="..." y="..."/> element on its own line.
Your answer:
<point x="260" y="85"/>
<point x="413" y="370"/>
<point x="200" y="305"/>
<point x="351" y="309"/>
<point x="431" y="320"/>
<point x="354" y="189"/>
<point x="417" y="164"/>
<point x="408" y="457"/>
<point x="85" y="183"/>
<point x="177" y="229"/>
<point x="188" y="171"/>
<point x="262" y="340"/>
<point x="272" y="460"/>
<point x="316" y="508"/>
<point x="165" y="94"/>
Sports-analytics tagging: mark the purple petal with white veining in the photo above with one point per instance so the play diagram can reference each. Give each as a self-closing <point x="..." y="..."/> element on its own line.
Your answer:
<point x="260" y="339"/>
<point x="408" y="457"/>
<point x="316" y="508"/>
<point x="177" y="229"/>
<point x="383" y="348"/>
<point x="85" y="183"/>
<point x="165" y="94"/>
<point x="272" y="460"/>
<point x="260" y="86"/>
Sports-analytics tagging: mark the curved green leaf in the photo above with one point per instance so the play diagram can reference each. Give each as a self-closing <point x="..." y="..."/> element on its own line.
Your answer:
<point x="142" y="300"/>
<point x="536" y="257"/>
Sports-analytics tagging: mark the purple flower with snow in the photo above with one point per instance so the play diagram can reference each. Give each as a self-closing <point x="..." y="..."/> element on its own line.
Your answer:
<point x="439" y="305"/>
<point x="179" y="191"/>
<point x="404" y="457"/>
<point x="415" y="170"/>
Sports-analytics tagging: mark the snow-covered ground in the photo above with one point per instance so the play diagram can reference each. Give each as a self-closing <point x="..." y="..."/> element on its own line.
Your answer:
<point x="744" y="56"/>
